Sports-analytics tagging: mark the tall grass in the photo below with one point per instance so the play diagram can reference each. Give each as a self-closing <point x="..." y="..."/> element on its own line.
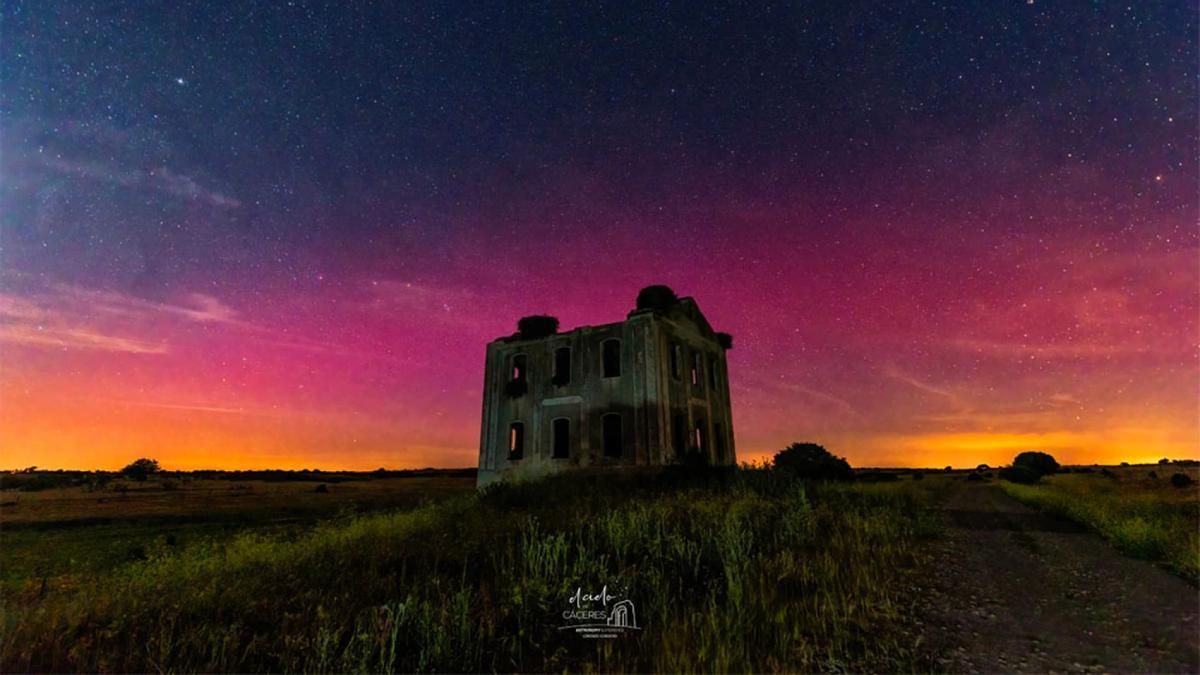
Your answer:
<point x="747" y="572"/>
<point x="1143" y="517"/>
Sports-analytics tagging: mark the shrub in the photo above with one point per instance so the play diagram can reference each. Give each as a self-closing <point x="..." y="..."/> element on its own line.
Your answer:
<point x="322" y="489"/>
<point x="948" y="469"/>
<point x="917" y="475"/>
<point x="1040" y="462"/>
<point x="1153" y="475"/>
<point x="1181" y="480"/>
<point x="974" y="476"/>
<point x="657" y="298"/>
<point x="1164" y="461"/>
<point x="810" y="460"/>
<point x="536" y="326"/>
<point x="141" y="469"/>
<point x="982" y="467"/>
<point x="1020" y="474"/>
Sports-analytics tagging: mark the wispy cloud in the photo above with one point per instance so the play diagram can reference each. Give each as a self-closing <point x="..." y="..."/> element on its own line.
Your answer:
<point x="185" y="406"/>
<point x="76" y="338"/>
<point x="1046" y="350"/>
<point x="198" y="306"/>
<point x="66" y="316"/>
<point x="161" y="178"/>
<point x="953" y="398"/>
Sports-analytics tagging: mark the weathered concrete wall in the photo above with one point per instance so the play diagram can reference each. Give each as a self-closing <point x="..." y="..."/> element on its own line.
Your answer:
<point x="645" y="395"/>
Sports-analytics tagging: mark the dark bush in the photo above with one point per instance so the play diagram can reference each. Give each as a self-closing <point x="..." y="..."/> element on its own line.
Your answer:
<point x="917" y="475"/>
<point x="1153" y="475"/>
<point x="1085" y="469"/>
<point x="1107" y="474"/>
<point x="322" y="488"/>
<point x="1181" y="480"/>
<point x="1020" y="474"/>
<point x="1164" y="460"/>
<point x="1124" y="463"/>
<point x="536" y="326"/>
<point x="810" y="460"/>
<point x="982" y="467"/>
<point x="515" y="388"/>
<point x="988" y="475"/>
<point x="974" y="476"/>
<point x="657" y="298"/>
<point x="1040" y="462"/>
<point x="948" y="469"/>
<point x="141" y="469"/>
<point x="725" y="340"/>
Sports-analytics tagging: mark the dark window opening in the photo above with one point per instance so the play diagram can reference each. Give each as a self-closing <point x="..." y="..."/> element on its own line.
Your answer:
<point x="696" y="369"/>
<point x="719" y="441"/>
<point x="562" y="438"/>
<point x="516" y="386"/>
<point x="612" y="435"/>
<point x="712" y="372"/>
<point x="516" y="440"/>
<point x="562" y="366"/>
<point x="611" y="357"/>
<point x="679" y="434"/>
<point x="676" y="360"/>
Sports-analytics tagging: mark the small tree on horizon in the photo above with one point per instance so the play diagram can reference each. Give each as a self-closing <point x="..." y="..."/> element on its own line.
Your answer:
<point x="811" y="460"/>
<point x="1041" y="462"/>
<point x="141" y="469"/>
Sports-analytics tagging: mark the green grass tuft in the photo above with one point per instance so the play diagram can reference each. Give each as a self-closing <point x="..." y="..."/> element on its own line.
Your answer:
<point x="1142" y="517"/>
<point x="744" y="571"/>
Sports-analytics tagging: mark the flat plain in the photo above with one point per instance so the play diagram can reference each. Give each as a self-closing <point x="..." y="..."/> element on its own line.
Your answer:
<point x="745" y="570"/>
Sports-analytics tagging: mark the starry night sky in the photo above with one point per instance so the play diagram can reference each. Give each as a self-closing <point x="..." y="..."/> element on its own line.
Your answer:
<point x="280" y="236"/>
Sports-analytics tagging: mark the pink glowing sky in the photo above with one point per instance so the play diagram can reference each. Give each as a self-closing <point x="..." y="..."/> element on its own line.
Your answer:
<point x="283" y="239"/>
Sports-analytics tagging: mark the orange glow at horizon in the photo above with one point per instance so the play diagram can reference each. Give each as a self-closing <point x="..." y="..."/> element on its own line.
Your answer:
<point x="93" y="379"/>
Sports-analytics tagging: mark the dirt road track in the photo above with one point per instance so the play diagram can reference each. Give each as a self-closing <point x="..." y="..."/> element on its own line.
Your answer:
<point x="1017" y="591"/>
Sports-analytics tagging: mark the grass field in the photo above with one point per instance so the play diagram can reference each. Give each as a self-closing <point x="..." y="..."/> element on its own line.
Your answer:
<point x="1143" y="516"/>
<point x="56" y="536"/>
<point x="749" y="571"/>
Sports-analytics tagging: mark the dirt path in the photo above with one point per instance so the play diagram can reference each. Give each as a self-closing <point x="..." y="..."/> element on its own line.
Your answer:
<point x="1015" y="590"/>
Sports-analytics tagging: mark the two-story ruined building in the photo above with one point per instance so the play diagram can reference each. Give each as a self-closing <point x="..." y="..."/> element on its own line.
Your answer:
<point x="651" y="390"/>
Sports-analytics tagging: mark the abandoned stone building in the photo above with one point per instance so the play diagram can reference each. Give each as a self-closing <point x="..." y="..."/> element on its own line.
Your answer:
<point x="652" y="390"/>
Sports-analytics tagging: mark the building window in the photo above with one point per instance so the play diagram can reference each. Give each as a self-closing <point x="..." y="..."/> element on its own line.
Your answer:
<point x="516" y="385"/>
<point x="696" y="369"/>
<point x="676" y="360"/>
<point x="679" y="434"/>
<point x="719" y="441"/>
<point x="562" y="366"/>
<point x="712" y="372"/>
<point x="698" y="437"/>
<point x="611" y="357"/>
<point x="516" y="440"/>
<point x="562" y="438"/>
<point x="612" y="434"/>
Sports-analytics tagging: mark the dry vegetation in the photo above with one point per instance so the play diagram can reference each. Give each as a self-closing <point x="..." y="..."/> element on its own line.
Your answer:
<point x="1137" y="508"/>
<point x="753" y="571"/>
